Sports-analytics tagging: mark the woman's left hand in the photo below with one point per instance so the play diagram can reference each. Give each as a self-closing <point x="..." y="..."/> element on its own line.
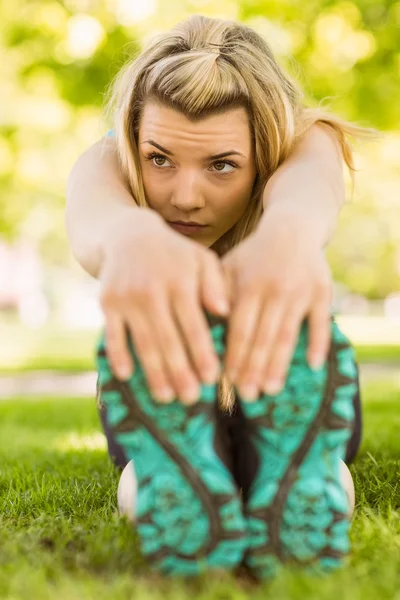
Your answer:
<point x="275" y="278"/>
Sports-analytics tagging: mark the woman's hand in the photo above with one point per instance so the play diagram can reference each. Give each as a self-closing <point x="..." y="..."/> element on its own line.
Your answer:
<point x="276" y="277"/>
<point x="155" y="282"/>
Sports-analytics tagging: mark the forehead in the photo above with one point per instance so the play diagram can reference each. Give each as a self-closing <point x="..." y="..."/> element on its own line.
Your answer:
<point x="162" y="122"/>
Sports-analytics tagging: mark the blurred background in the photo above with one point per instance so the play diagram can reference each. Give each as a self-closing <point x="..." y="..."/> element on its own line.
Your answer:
<point x="59" y="57"/>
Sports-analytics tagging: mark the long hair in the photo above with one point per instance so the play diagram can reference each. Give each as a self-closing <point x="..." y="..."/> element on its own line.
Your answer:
<point x="206" y="66"/>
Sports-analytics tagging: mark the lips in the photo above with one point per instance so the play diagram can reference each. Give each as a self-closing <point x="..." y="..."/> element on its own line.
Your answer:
<point x="188" y="224"/>
<point x="187" y="228"/>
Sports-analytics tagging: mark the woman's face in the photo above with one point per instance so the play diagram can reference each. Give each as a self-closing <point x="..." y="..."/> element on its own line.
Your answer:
<point x="182" y="180"/>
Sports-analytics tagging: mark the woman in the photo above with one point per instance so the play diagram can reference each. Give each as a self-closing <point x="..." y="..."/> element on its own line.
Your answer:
<point x="211" y="93"/>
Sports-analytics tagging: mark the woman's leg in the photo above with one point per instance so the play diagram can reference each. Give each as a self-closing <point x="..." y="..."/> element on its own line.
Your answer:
<point x="127" y="487"/>
<point x="353" y="446"/>
<point x="354" y="442"/>
<point x="188" y="511"/>
<point x="297" y="505"/>
<point x="246" y="459"/>
<point x="115" y="450"/>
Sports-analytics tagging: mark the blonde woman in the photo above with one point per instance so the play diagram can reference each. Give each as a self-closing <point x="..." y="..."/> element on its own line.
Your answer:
<point x="217" y="475"/>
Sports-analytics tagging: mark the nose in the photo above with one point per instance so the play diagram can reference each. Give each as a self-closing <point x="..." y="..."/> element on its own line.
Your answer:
<point x="187" y="194"/>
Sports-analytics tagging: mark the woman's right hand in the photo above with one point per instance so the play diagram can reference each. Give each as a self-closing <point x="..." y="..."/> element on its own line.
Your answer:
<point x="155" y="285"/>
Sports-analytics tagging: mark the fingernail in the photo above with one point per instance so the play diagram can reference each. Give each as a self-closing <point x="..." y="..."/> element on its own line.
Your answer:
<point x="317" y="361"/>
<point x="165" y="394"/>
<point x="223" y="307"/>
<point x="212" y="375"/>
<point x="232" y="374"/>
<point x="272" y="387"/>
<point x="249" y="392"/>
<point x="191" y="395"/>
<point x="124" y="372"/>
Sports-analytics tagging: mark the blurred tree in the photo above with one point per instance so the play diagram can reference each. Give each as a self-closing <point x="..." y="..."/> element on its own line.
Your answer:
<point x="59" y="57"/>
<point x="348" y="51"/>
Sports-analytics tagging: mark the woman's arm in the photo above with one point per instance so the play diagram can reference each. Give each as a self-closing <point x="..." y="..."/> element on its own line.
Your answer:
<point x="308" y="189"/>
<point x="97" y="199"/>
<point x="284" y="266"/>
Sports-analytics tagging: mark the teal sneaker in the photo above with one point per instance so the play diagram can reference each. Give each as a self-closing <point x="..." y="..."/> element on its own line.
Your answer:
<point x="296" y="507"/>
<point x="188" y="509"/>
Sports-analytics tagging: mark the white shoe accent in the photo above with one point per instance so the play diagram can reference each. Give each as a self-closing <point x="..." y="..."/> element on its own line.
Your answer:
<point x="348" y="485"/>
<point x="127" y="492"/>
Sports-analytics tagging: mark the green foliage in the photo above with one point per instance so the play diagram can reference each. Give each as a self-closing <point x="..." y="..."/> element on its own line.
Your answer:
<point x="348" y="51"/>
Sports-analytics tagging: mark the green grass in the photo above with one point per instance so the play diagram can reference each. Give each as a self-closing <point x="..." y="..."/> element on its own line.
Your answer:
<point x="61" y="535"/>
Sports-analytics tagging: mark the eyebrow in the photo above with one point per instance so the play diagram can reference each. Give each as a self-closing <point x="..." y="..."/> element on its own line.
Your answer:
<point x="212" y="157"/>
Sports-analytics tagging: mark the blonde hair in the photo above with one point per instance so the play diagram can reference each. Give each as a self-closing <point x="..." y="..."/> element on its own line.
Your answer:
<point x="205" y="66"/>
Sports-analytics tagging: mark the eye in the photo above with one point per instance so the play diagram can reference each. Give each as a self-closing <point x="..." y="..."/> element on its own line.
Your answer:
<point x="156" y="155"/>
<point x="225" y="162"/>
<point x="161" y="157"/>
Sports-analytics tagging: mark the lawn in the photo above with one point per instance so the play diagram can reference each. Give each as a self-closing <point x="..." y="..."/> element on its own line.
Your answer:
<point x="61" y="535"/>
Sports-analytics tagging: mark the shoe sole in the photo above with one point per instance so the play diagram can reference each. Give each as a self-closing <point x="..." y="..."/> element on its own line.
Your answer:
<point x="297" y="510"/>
<point x="188" y="513"/>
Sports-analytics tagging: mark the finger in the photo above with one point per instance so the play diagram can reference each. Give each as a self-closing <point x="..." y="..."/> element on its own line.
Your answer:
<point x="252" y="378"/>
<point x="145" y="344"/>
<point x="116" y="346"/>
<point x="229" y="284"/>
<point x="173" y="350"/>
<point x="319" y="328"/>
<point x="286" y="341"/>
<point x="241" y="332"/>
<point x="195" y="329"/>
<point x="212" y="288"/>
